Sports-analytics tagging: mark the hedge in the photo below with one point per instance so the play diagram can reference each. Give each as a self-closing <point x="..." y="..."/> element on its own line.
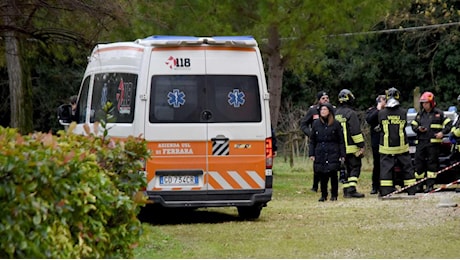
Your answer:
<point x="68" y="195"/>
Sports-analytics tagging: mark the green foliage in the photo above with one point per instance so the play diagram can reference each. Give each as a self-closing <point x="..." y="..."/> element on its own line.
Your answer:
<point x="425" y="58"/>
<point x="69" y="196"/>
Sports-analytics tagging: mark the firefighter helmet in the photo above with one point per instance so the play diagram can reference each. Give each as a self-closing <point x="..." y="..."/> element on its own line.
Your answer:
<point x="345" y="96"/>
<point x="428" y="97"/>
<point x="393" y="93"/>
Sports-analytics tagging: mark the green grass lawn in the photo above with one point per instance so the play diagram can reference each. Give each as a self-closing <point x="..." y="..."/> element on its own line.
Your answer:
<point x="296" y="225"/>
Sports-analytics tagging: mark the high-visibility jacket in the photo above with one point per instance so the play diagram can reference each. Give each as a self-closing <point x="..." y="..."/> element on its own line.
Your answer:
<point x="393" y="138"/>
<point x="456" y="128"/>
<point x="352" y="134"/>
<point x="434" y="121"/>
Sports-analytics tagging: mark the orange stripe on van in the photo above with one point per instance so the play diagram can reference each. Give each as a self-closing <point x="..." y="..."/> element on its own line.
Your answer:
<point x="208" y="48"/>
<point x="120" y="48"/>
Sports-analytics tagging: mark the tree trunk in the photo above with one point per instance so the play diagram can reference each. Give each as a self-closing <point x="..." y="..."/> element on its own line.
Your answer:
<point x="275" y="73"/>
<point x="19" y="79"/>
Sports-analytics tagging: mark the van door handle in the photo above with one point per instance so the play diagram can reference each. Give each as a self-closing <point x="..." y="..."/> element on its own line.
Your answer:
<point x="220" y="139"/>
<point x="206" y="115"/>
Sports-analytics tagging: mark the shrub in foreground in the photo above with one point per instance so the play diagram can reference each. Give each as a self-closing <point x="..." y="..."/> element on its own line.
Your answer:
<point x="69" y="196"/>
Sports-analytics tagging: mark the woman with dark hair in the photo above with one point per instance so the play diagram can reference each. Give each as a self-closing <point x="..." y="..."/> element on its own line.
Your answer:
<point x="306" y="124"/>
<point x="327" y="149"/>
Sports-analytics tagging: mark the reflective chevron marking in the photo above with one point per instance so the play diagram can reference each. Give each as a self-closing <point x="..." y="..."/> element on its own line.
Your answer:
<point x="234" y="180"/>
<point x="221" y="147"/>
<point x="229" y="180"/>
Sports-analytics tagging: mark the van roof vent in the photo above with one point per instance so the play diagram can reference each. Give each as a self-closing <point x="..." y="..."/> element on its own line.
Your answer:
<point x="166" y="41"/>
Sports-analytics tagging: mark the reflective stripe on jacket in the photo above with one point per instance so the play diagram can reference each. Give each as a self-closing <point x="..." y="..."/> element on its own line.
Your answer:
<point x="351" y="128"/>
<point x="434" y="121"/>
<point x="393" y="138"/>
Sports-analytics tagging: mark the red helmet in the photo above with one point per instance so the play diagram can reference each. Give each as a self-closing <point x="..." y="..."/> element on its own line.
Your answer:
<point x="428" y="97"/>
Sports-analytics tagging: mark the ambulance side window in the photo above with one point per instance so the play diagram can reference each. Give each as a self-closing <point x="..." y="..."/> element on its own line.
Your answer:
<point x="120" y="90"/>
<point x="83" y="101"/>
<point x="234" y="98"/>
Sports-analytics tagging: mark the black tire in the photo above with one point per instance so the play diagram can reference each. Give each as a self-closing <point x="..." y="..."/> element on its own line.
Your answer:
<point x="249" y="212"/>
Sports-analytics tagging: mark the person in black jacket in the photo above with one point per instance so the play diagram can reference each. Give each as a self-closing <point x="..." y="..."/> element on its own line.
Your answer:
<point x="327" y="149"/>
<point x="430" y="125"/>
<point x="372" y="118"/>
<point x="306" y="124"/>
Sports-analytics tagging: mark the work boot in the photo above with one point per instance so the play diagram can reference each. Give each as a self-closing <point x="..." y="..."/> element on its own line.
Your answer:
<point x="322" y="199"/>
<point x="429" y="185"/>
<point x="386" y="190"/>
<point x="352" y="193"/>
<point x="419" y="188"/>
<point x="411" y="191"/>
<point x="374" y="190"/>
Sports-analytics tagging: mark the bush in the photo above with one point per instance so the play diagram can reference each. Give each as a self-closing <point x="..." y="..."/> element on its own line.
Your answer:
<point x="69" y="196"/>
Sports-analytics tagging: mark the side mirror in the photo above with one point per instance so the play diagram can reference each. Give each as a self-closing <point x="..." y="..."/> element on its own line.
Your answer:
<point x="65" y="114"/>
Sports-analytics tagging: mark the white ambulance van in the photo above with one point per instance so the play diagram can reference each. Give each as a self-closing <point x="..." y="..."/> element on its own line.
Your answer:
<point x="202" y="105"/>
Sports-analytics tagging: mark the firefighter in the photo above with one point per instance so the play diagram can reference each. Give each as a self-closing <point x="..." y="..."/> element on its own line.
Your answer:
<point x="306" y="124"/>
<point x="394" y="144"/>
<point x="354" y="142"/>
<point x="455" y="131"/>
<point x="454" y="136"/>
<point x="430" y="125"/>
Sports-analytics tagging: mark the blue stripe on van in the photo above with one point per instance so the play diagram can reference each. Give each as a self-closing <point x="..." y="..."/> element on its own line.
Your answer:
<point x="177" y="37"/>
<point x="171" y="37"/>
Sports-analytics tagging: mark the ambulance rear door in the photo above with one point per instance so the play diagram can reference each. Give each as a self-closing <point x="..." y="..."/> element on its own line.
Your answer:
<point x="237" y="127"/>
<point x="175" y="129"/>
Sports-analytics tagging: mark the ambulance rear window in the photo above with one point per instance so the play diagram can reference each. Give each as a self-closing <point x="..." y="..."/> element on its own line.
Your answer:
<point x="204" y="98"/>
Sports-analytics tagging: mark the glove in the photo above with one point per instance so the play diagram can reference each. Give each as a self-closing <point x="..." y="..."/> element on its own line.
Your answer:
<point x="452" y="138"/>
<point x="360" y="153"/>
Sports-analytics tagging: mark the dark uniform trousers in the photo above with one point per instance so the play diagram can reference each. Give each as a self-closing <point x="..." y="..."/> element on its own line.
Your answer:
<point x="427" y="160"/>
<point x="353" y="171"/>
<point x="387" y="163"/>
<point x="376" y="166"/>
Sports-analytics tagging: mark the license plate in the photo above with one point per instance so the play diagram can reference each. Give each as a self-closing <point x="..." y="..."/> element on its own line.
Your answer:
<point x="178" y="180"/>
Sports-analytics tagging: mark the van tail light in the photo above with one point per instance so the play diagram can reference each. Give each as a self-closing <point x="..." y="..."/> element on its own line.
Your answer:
<point x="268" y="163"/>
<point x="268" y="153"/>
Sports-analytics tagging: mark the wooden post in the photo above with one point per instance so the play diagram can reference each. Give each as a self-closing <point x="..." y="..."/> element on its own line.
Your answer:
<point x="417" y="98"/>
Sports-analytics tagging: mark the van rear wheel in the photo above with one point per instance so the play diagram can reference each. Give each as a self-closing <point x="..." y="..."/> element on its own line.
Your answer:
<point x="249" y="212"/>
